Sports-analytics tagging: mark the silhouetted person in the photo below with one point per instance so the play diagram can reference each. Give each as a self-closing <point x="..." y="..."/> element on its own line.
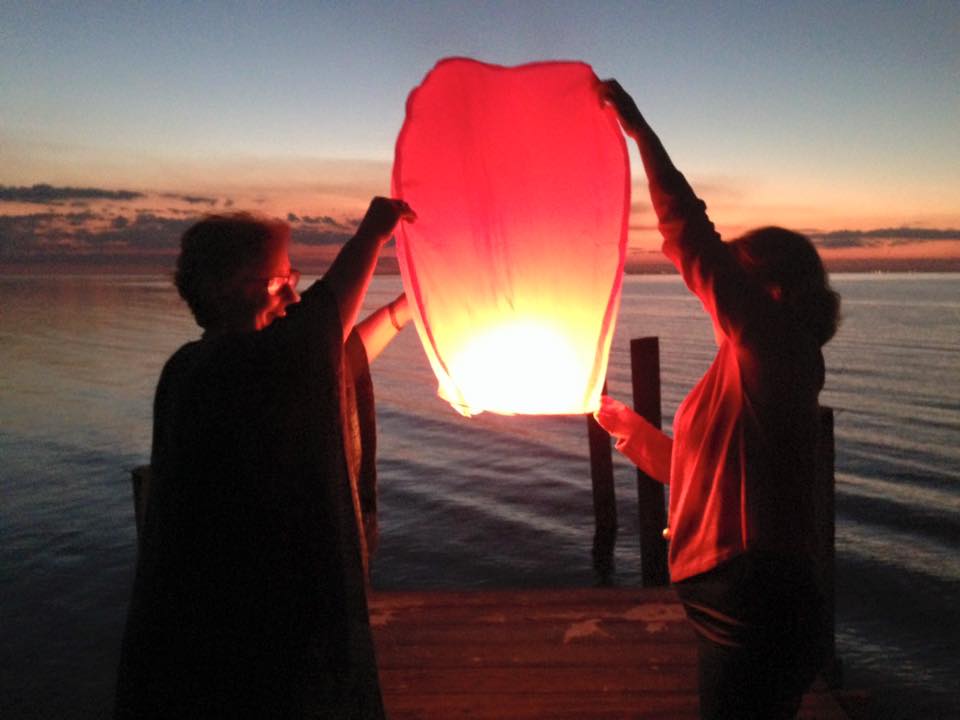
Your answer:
<point x="250" y="596"/>
<point x="740" y="466"/>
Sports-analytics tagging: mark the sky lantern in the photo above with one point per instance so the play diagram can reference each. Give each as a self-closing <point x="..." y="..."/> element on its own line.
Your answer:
<point x="521" y="182"/>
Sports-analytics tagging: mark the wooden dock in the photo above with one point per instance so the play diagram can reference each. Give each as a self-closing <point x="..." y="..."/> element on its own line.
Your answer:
<point x="591" y="653"/>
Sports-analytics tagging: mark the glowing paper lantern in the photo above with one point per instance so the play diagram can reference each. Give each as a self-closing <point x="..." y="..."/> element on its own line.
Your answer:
<point x="521" y="182"/>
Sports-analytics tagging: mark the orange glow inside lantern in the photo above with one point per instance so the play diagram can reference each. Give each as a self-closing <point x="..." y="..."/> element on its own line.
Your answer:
<point x="521" y="182"/>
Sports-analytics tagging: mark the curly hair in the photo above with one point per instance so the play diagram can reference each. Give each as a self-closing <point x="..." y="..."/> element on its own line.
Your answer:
<point x="215" y="253"/>
<point x="788" y="262"/>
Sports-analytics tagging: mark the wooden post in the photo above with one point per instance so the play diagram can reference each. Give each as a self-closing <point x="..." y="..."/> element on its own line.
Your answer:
<point x="604" y="499"/>
<point x="645" y="375"/>
<point x="825" y="518"/>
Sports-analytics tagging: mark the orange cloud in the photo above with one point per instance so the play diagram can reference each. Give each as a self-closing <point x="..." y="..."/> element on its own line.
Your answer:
<point x="45" y="223"/>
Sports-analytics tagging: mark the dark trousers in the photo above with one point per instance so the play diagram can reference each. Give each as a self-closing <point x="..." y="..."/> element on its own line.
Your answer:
<point x="760" y="627"/>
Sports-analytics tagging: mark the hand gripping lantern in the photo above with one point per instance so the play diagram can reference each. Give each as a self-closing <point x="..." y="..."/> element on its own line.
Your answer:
<point x="521" y="182"/>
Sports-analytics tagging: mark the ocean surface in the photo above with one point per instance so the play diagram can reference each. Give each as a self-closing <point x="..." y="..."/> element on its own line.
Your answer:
<point x="470" y="503"/>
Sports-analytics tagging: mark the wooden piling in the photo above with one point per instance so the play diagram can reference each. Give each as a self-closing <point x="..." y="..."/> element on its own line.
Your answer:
<point x="645" y="376"/>
<point x="604" y="499"/>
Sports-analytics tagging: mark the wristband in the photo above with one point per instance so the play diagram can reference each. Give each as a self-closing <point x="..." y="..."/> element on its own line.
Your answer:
<point x="393" y="317"/>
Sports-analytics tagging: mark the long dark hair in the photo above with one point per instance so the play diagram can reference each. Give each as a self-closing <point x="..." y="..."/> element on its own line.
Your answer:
<point x="788" y="265"/>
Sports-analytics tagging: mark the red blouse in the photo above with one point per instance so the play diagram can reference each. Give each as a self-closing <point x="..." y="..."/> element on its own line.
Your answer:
<point x="742" y="463"/>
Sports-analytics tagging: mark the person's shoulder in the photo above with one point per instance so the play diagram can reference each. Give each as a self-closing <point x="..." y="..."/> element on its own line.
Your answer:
<point x="775" y="330"/>
<point x="184" y="355"/>
<point x="316" y="298"/>
<point x="780" y="363"/>
<point x="316" y="313"/>
<point x="177" y="367"/>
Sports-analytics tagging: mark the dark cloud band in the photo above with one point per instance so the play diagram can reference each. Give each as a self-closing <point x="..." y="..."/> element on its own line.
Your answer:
<point x="882" y="236"/>
<point x="48" y="193"/>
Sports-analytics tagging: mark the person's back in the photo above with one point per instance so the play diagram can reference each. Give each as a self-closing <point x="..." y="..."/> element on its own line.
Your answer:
<point x="250" y="598"/>
<point x="239" y="534"/>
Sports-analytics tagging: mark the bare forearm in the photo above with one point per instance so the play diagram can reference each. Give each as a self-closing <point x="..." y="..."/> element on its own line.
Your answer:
<point x="381" y="326"/>
<point x="350" y="274"/>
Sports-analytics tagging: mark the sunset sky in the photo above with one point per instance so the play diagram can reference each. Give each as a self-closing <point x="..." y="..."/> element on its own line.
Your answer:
<point x="841" y="120"/>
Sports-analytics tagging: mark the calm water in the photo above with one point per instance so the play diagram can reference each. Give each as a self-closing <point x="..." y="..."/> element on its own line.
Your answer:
<point x="485" y="502"/>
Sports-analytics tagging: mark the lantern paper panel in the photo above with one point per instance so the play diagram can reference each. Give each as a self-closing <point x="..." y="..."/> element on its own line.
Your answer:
<point x="521" y="182"/>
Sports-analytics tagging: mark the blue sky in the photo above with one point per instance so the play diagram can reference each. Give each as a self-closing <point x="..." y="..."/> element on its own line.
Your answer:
<point x="823" y="116"/>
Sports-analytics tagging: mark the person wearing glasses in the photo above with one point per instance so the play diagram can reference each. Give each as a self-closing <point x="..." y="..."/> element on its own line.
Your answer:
<point x="249" y="598"/>
<point x="741" y="463"/>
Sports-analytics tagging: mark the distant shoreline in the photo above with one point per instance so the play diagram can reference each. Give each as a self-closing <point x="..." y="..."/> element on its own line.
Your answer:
<point x="388" y="266"/>
<point x="314" y="260"/>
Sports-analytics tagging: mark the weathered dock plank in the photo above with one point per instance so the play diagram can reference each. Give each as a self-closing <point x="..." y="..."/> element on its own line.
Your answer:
<point x="571" y="653"/>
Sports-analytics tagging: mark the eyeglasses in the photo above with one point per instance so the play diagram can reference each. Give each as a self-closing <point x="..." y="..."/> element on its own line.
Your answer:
<point x="276" y="283"/>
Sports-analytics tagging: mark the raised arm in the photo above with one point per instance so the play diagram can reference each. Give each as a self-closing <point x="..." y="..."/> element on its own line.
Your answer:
<point x="667" y="185"/>
<point x="640" y="440"/>
<point x="382" y="325"/>
<point x="690" y="240"/>
<point x="349" y="275"/>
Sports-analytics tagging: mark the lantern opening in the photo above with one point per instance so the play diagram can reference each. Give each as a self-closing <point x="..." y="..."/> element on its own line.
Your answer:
<point x="516" y="367"/>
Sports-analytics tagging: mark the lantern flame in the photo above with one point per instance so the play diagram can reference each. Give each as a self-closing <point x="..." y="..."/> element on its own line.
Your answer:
<point x="523" y="367"/>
